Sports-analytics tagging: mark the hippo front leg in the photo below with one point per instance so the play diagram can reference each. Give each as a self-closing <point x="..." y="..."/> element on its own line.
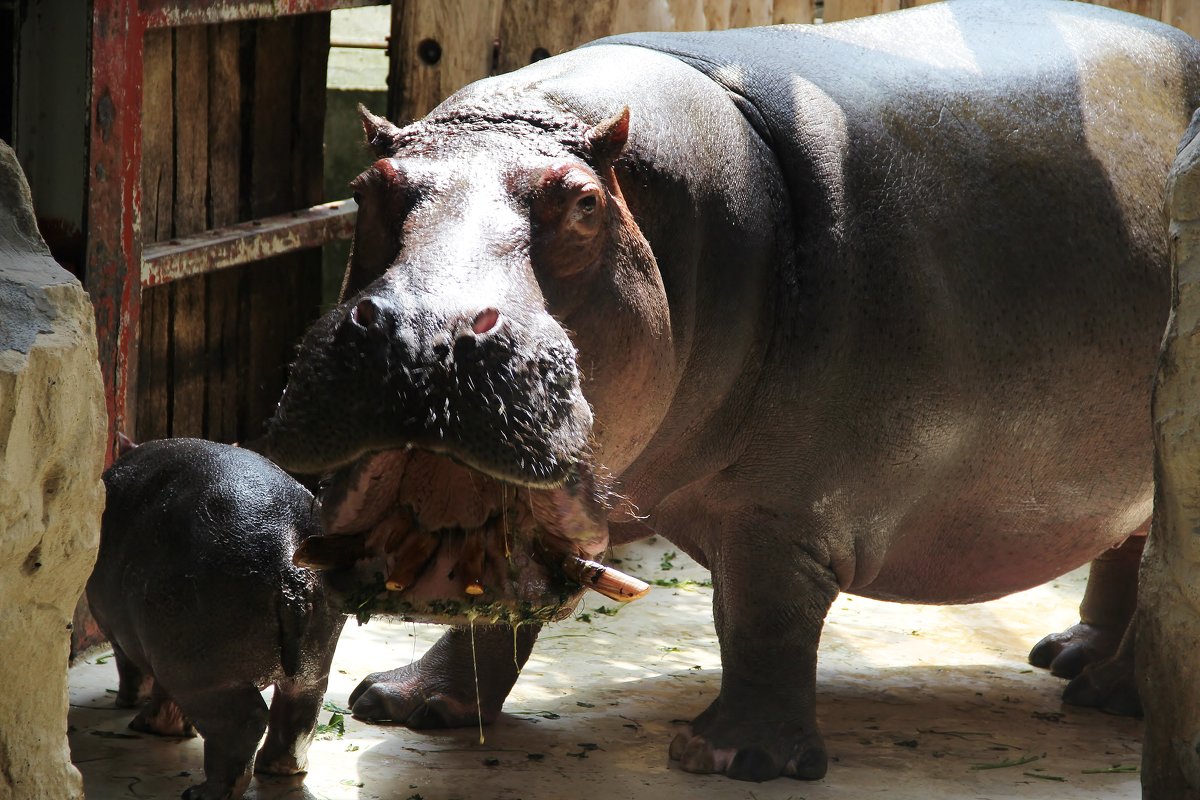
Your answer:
<point x="438" y="690"/>
<point x="770" y="600"/>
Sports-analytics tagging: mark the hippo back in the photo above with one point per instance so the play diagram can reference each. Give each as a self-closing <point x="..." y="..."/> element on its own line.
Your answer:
<point x="195" y="552"/>
<point x="978" y="276"/>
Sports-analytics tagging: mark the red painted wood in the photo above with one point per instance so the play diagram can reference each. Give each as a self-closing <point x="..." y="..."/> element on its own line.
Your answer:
<point x="114" y="251"/>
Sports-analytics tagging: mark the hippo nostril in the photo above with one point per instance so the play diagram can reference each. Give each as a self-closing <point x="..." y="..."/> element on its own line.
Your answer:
<point x="365" y="313"/>
<point x="485" y="320"/>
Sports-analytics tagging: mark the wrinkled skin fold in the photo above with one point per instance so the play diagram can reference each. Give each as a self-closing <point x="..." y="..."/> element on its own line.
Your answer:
<point x="870" y="306"/>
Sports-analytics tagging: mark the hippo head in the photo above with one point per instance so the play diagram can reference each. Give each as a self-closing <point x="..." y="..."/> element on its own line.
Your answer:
<point x="442" y="398"/>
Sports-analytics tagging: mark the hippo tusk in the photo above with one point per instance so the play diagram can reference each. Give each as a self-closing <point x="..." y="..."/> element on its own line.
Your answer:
<point x="612" y="583"/>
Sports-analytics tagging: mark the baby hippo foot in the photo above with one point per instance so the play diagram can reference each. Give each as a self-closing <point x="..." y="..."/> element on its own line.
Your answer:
<point x="1066" y="654"/>
<point x="453" y="685"/>
<point x="750" y="751"/>
<point x="1108" y="685"/>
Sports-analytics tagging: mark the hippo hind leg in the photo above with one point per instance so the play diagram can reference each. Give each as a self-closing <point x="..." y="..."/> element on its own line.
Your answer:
<point x="135" y="685"/>
<point x="1097" y="654"/>
<point x="438" y="690"/>
<point x="294" y="711"/>
<point x="232" y="721"/>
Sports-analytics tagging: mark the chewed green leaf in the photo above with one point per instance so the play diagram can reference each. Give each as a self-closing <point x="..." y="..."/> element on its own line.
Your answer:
<point x="1012" y="762"/>
<point x="335" y="727"/>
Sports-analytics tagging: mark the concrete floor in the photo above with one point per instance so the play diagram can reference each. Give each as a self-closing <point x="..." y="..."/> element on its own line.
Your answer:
<point x="913" y="701"/>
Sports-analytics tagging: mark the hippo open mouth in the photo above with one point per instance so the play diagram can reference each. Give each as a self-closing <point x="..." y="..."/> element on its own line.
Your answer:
<point x="442" y="398"/>
<point x="458" y="482"/>
<point x="417" y="534"/>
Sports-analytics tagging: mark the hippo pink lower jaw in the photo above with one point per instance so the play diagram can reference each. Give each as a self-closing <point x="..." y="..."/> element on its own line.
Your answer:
<point x="416" y="534"/>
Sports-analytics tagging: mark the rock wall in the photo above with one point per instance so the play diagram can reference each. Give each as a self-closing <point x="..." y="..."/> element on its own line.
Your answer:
<point x="1168" y="658"/>
<point x="52" y="438"/>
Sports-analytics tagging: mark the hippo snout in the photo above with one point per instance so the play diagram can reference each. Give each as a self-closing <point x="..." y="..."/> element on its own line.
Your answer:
<point x="381" y="322"/>
<point x="494" y="387"/>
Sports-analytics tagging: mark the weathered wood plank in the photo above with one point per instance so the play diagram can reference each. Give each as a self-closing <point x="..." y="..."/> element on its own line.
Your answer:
<point x="158" y="187"/>
<point x="562" y="25"/>
<point x="191" y="216"/>
<point x="568" y="25"/>
<point x="1147" y="8"/>
<point x="282" y="295"/>
<point x="836" y="10"/>
<point x="161" y="14"/>
<point x="716" y="14"/>
<point x="750" y="13"/>
<point x="222" y="295"/>
<point x="247" y="242"/>
<point x="793" y="11"/>
<point x="687" y="15"/>
<point x="273" y="112"/>
<point x="308" y="154"/>
<point x="438" y="47"/>
<point x="1183" y="14"/>
<point x="308" y="189"/>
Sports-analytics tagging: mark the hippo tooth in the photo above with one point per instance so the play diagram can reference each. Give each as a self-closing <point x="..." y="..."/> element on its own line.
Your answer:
<point x="407" y="562"/>
<point x="612" y="583"/>
<point x="471" y="561"/>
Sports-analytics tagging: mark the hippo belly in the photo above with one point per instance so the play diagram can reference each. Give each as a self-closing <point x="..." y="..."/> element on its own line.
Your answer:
<point x="871" y="306"/>
<point x="955" y="366"/>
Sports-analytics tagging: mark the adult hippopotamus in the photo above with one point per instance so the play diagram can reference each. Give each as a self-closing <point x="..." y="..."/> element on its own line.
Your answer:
<point x="868" y="307"/>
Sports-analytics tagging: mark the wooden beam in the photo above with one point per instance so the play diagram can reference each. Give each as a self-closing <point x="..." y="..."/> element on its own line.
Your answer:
<point x="175" y="13"/>
<point x="246" y="242"/>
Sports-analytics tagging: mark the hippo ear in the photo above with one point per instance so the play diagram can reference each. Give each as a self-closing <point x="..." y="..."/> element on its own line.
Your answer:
<point x="124" y="444"/>
<point x="382" y="136"/>
<point x="607" y="139"/>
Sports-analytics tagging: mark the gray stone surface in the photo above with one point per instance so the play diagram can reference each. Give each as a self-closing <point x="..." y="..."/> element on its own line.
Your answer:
<point x="1168" y="613"/>
<point x="52" y="436"/>
<point x="25" y="311"/>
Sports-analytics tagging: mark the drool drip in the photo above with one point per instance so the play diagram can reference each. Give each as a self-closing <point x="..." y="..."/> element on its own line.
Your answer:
<point x="475" y="669"/>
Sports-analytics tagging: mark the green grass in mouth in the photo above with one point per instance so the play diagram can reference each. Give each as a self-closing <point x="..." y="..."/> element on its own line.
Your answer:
<point x="365" y="599"/>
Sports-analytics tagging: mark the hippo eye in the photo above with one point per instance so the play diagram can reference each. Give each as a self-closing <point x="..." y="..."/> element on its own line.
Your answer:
<point x="357" y="197"/>
<point x="587" y="203"/>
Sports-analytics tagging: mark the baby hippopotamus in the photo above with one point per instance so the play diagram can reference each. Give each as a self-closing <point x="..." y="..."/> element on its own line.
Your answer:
<point x="195" y="588"/>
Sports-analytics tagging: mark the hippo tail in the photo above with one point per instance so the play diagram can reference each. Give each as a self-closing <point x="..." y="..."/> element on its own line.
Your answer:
<point x="294" y="616"/>
<point x="302" y="611"/>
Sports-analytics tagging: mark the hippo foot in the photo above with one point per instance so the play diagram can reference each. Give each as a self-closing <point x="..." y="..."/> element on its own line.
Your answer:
<point x="1108" y="685"/>
<point x="163" y="717"/>
<point x="1066" y="654"/>
<point x="215" y="790"/>
<point x="749" y="751"/>
<point x="280" y="764"/>
<point x="462" y="679"/>
<point x="411" y="696"/>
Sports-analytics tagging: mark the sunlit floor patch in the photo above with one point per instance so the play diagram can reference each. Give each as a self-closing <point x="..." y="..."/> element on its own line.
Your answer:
<point x="913" y="699"/>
